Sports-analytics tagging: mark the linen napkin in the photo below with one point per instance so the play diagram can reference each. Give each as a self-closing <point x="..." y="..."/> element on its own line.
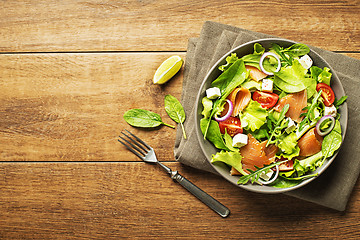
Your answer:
<point x="333" y="187"/>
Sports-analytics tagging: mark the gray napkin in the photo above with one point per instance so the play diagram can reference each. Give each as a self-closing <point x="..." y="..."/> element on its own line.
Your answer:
<point x="333" y="188"/>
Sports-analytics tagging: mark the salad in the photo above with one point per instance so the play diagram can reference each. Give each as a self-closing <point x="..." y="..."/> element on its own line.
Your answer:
<point x="272" y="115"/>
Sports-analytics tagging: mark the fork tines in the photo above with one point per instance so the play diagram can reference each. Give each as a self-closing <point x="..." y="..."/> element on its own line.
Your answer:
<point x="135" y="145"/>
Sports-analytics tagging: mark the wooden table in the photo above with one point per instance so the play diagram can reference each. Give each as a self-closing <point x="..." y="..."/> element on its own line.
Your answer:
<point x="68" y="72"/>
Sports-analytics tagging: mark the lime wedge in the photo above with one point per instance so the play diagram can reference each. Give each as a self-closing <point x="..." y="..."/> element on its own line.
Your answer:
<point x="167" y="69"/>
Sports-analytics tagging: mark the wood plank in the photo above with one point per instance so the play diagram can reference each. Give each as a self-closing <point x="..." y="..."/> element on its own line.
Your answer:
<point x="137" y="200"/>
<point x="94" y="25"/>
<point x="69" y="107"/>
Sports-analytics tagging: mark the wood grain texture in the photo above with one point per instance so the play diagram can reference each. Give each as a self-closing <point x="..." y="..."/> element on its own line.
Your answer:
<point x="68" y="72"/>
<point x="133" y="200"/>
<point x="69" y="107"/>
<point x="163" y="25"/>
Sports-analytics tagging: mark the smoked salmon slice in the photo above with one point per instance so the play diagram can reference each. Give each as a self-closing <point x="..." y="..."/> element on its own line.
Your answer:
<point x="297" y="101"/>
<point x="240" y="98"/>
<point x="255" y="154"/>
<point x="255" y="73"/>
<point x="310" y="143"/>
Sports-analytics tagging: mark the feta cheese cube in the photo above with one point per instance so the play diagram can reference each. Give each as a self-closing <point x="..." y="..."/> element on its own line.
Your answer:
<point x="306" y="61"/>
<point x="267" y="176"/>
<point x="330" y="111"/>
<point x="291" y="126"/>
<point x="267" y="85"/>
<point x="240" y="140"/>
<point x="213" y="93"/>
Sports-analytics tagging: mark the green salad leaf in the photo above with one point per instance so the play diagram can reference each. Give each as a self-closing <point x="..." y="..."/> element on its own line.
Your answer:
<point x="230" y="158"/>
<point x="288" y="55"/>
<point x="207" y="105"/>
<point x="337" y="103"/>
<point x="311" y="163"/>
<point x="321" y="75"/>
<point x="175" y="111"/>
<point x="253" y="116"/>
<point x="288" y="145"/>
<point x="229" y="61"/>
<point x="332" y="141"/>
<point x="231" y="78"/>
<point x="144" y="118"/>
<point x="294" y="78"/>
<point x="229" y="142"/>
<point x="251" y="85"/>
<point x="297" y="50"/>
<point x="214" y="135"/>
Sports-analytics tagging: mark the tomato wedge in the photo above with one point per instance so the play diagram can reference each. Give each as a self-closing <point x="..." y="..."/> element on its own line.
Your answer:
<point x="327" y="93"/>
<point x="232" y="126"/>
<point x="266" y="100"/>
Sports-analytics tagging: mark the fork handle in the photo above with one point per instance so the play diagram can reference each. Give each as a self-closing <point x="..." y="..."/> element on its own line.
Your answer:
<point x="201" y="195"/>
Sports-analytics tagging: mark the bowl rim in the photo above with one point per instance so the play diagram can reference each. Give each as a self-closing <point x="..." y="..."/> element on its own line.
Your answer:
<point x="258" y="188"/>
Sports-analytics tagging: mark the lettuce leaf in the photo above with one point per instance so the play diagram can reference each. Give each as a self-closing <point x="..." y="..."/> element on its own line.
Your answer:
<point x="325" y="76"/>
<point x="230" y="158"/>
<point x="207" y="104"/>
<point x="294" y="78"/>
<point x="311" y="163"/>
<point x="321" y="75"/>
<point x="229" y="61"/>
<point x="229" y="142"/>
<point x="282" y="182"/>
<point x="288" y="145"/>
<point x="251" y="85"/>
<point x="253" y="116"/>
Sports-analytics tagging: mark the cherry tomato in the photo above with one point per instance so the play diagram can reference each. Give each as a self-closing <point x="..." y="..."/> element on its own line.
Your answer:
<point x="327" y="93"/>
<point x="266" y="100"/>
<point x="232" y="126"/>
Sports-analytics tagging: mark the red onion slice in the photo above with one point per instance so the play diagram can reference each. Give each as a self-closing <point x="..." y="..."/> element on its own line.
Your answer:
<point x="328" y="130"/>
<point x="263" y="58"/>
<point x="228" y="114"/>
<point x="272" y="179"/>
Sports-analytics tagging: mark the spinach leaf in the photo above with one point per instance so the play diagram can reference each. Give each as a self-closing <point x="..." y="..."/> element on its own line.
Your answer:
<point x="143" y="118"/>
<point x="175" y="111"/>
<point x="279" y="50"/>
<point x="214" y="135"/>
<point x="332" y="141"/>
<point x="297" y="50"/>
<point x="231" y="78"/>
<point x="315" y="72"/>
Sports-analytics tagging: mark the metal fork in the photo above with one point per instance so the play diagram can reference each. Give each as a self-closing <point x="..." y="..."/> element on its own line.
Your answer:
<point x="147" y="154"/>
